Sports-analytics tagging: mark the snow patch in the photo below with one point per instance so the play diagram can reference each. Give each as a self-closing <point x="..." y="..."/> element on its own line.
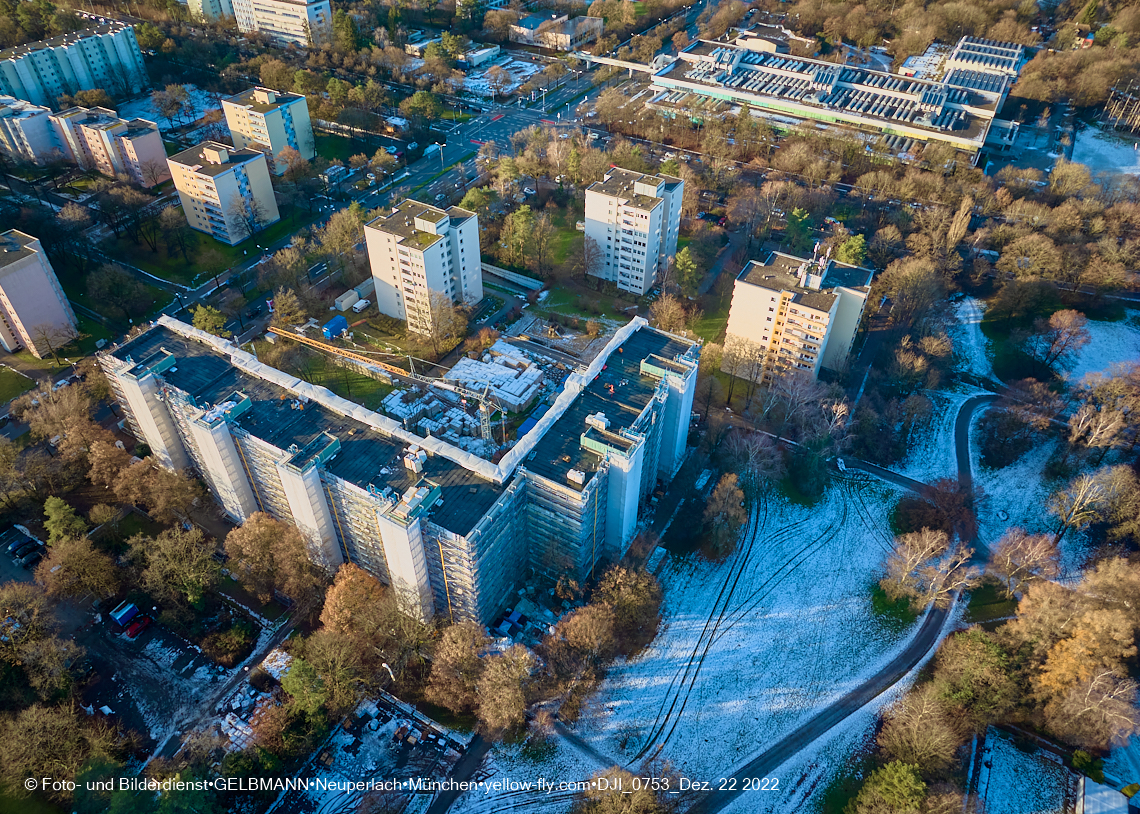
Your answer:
<point x="1109" y="344"/>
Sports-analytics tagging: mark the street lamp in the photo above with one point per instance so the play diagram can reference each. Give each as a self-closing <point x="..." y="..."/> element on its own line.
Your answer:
<point x="441" y="164"/>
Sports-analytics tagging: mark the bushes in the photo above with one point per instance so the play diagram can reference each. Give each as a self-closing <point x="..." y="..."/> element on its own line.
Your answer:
<point x="228" y="647"/>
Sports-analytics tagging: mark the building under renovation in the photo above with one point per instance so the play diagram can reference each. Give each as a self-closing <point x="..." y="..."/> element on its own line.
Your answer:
<point x="455" y="533"/>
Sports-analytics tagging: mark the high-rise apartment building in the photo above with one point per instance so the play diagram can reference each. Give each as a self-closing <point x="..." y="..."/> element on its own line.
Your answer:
<point x="455" y="534"/>
<point x="635" y="219"/>
<point x="269" y="121"/>
<point x="305" y="23"/>
<point x="791" y="313"/>
<point x="96" y="138"/>
<point x="225" y="193"/>
<point x="26" y="133"/>
<point x="34" y="312"/>
<point x="105" y="57"/>
<point x="418" y="249"/>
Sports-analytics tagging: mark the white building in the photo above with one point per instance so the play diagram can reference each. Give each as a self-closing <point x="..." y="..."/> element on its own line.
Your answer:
<point x="635" y="220"/>
<point x="791" y="313"/>
<point x="419" y="249"/>
<point x="34" y="312"/>
<point x="269" y="121"/>
<point x="96" y="138"/>
<point x="225" y="193"/>
<point x="26" y="133"/>
<point x="299" y="22"/>
<point x="105" y="57"/>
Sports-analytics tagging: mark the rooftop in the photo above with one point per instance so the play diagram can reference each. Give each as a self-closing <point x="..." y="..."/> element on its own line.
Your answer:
<point x="263" y="100"/>
<point x="365" y="457"/>
<point x="402" y="222"/>
<point x="620" y="391"/>
<point x="14" y="246"/>
<point x="62" y="40"/>
<point x="622" y="183"/>
<point x="533" y="22"/>
<point x="12" y="107"/>
<point x="196" y="158"/>
<point x="781" y="272"/>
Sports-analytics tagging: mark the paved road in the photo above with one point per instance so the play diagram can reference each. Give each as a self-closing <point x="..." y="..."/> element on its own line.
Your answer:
<point x="463" y="769"/>
<point x="767" y="763"/>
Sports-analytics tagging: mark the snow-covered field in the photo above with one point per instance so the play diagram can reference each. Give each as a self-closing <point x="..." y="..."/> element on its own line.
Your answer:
<point x="750" y="648"/>
<point x="932" y="456"/>
<point x="519" y="70"/>
<point x="1111" y="342"/>
<point x="971" y="348"/>
<point x="1015" y="782"/>
<point x="200" y="100"/>
<point x="1103" y="149"/>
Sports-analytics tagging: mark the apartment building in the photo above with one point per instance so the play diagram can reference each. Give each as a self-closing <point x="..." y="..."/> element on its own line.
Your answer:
<point x="792" y="313"/>
<point x="418" y="249"/>
<point x="25" y="131"/>
<point x="635" y="219"/>
<point x="303" y="23"/>
<point x="225" y="193"/>
<point x="96" y="138"/>
<point x="269" y="121"/>
<point x="106" y="57"/>
<point x="34" y="312"/>
<point x="455" y="534"/>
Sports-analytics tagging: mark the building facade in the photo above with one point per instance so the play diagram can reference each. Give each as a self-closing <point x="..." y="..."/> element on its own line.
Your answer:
<point x="106" y="57"/>
<point x="34" y="312"/>
<point x="303" y="23"/>
<point x="26" y="132"/>
<point x="635" y="219"/>
<point x="793" y="314"/>
<point x="556" y="31"/>
<point x="269" y="121"/>
<point x="454" y="534"/>
<point x="96" y="138"/>
<point x="419" y="249"/>
<point x="225" y="193"/>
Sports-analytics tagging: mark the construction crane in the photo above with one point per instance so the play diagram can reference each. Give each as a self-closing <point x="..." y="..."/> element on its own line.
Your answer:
<point x="484" y="400"/>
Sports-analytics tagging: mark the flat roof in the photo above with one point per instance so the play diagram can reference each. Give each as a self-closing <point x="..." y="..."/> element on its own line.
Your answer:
<point x="619" y="183"/>
<point x="366" y="456"/>
<point x="247" y="99"/>
<point x="69" y="38"/>
<point x="21" y="109"/>
<point x="402" y="222"/>
<point x="560" y="449"/>
<point x="14" y="246"/>
<point x="780" y="272"/>
<point x="195" y="158"/>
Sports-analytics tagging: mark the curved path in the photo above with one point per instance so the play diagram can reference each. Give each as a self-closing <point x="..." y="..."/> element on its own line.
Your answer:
<point x="766" y="764"/>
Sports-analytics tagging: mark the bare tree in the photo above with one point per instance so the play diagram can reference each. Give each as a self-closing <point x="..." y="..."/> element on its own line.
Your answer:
<point x="1056" y="341"/>
<point x="924" y="569"/>
<point x="1020" y="557"/>
<point x="53" y="338"/>
<point x="756" y="459"/>
<point x="1096" y="713"/>
<point x="667" y="313"/>
<point x="1096" y="428"/>
<point x="920" y="730"/>
<point x="1078" y="504"/>
<point x="248" y="216"/>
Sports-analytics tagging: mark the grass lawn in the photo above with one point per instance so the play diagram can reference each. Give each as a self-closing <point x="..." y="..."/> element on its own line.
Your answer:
<point x="565" y="236"/>
<point x="989" y="603"/>
<point x="565" y="301"/>
<point x="171" y="148"/>
<point x="74" y="285"/>
<point x="340" y="148"/>
<point x="455" y="116"/>
<point x="26" y="805"/>
<point x="712" y="324"/>
<point x="90" y="332"/>
<point x="13" y="383"/>
<point x="177" y="270"/>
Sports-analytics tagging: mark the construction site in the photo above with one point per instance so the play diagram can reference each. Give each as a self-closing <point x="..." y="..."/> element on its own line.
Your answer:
<point x="523" y="463"/>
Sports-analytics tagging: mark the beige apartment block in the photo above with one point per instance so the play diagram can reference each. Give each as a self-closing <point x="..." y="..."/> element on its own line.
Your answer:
<point x="635" y="219"/>
<point x="419" y="249"/>
<point x="96" y="138"/>
<point x="791" y="313"/>
<point x="25" y="131"/>
<point x="270" y="121"/>
<point x="225" y="193"/>
<point x="34" y="313"/>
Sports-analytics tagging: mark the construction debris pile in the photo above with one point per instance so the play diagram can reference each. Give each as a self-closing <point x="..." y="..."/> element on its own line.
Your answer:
<point x="512" y="378"/>
<point x="437" y="413"/>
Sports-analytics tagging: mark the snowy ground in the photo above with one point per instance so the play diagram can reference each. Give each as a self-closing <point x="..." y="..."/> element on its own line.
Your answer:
<point x="932" y="456"/>
<point x="1111" y="342"/>
<point x="750" y="648"/>
<point x="1103" y="149"/>
<point x="519" y="70"/>
<point x="1123" y="762"/>
<point x="971" y="348"/>
<point x="1015" y="782"/>
<point x="200" y="100"/>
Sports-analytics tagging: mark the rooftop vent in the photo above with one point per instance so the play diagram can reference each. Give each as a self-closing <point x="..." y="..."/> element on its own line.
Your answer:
<point x="576" y="476"/>
<point x="598" y="420"/>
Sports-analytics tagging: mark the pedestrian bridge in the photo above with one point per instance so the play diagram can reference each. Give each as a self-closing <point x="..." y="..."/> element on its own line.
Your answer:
<point x="659" y="62"/>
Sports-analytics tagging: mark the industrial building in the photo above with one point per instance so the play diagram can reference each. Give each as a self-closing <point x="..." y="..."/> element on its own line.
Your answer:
<point x="794" y="313"/>
<point x="225" y="193"/>
<point x="958" y="108"/>
<point x="418" y="249"/>
<point x="96" y="138"/>
<point x="106" y="57"/>
<point x="300" y="22"/>
<point x="456" y="534"/>
<point x="635" y="219"/>
<point x="34" y="312"/>
<point x="269" y="121"/>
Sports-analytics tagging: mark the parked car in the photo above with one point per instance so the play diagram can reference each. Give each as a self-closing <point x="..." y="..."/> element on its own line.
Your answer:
<point x="23" y="549"/>
<point x="440" y="197"/>
<point x="254" y="310"/>
<point x="19" y="541"/>
<point x="138" y="626"/>
<point x="31" y="558"/>
<point x="371" y="176"/>
<point x="529" y="191"/>
<point x="414" y="146"/>
<point x="390" y="150"/>
<point x="360" y="305"/>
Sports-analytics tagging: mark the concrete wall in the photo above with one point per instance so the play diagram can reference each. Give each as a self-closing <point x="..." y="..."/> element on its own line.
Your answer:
<point x="33" y="303"/>
<point x="844" y="325"/>
<point x="223" y="469"/>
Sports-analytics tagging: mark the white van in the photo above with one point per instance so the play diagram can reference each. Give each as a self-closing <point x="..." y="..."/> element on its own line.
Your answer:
<point x="360" y="305"/>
